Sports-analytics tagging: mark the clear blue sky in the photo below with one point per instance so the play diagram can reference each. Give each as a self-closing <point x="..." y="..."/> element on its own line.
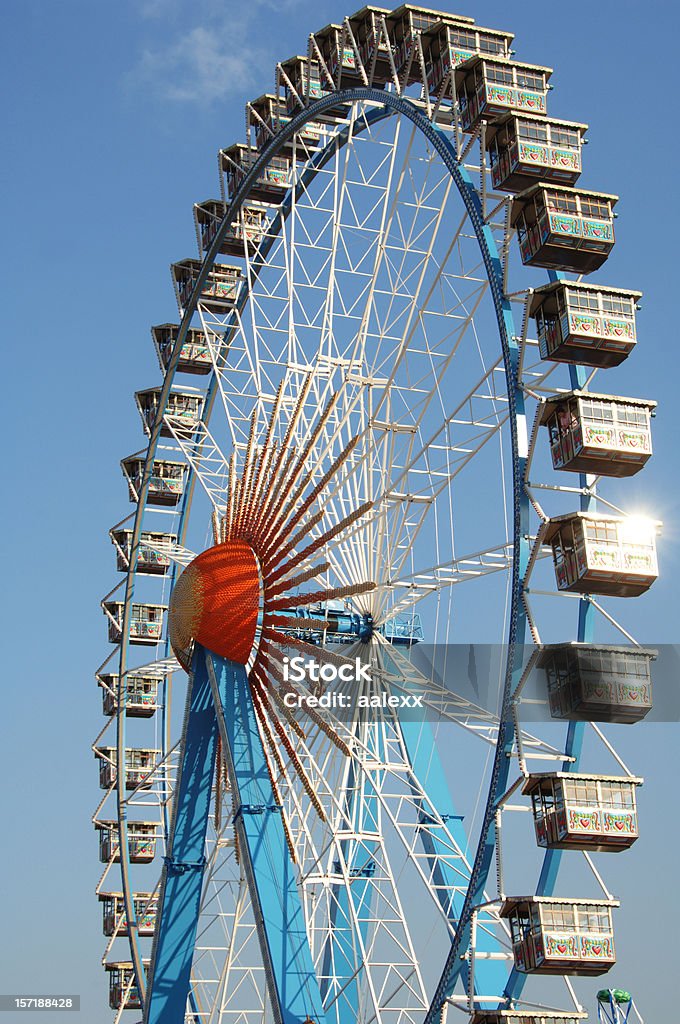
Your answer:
<point x="113" y="116"/>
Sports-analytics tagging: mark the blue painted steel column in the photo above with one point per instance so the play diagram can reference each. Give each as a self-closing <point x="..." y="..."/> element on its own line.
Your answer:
<point x="340" y="953"/>
<point x="423" y="755"/>
<point x="426" y="766"/>
<point x="279" y="918"/>
<point x="183" y="872"/>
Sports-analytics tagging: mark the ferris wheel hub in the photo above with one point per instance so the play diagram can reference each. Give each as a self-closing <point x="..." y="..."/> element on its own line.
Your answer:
<point x="215" y="602"/>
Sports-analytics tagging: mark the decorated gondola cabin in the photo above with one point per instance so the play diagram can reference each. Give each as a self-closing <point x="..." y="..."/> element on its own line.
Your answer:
<point x="139" y="765"/>
<point x="596" y="682"/>
<point x="596" y="553"/>
<point x="446" y="46"/>
<point x="560" y="936"/>
<point x="152" y="554"/>
<point x="299" y="81"/>
<point x="405" y="24"/>
<point x="488" y="87"/>
<point x="194" y="356"/>
<point x="602" y="434"/>
<point x="166" y="484"/>
<point x="523" y="148"/>
<point x="268" y="114"/>
<point x="146" y="622"/>
<point x="141" y="694"/>
<point x="564" y="228"/>
<point x="244" y="233"/>
<point x="265" y="116"/>
<point x="181" y="414"/>
<point x="370" y="32"/>
<point x="578" y="322"/>
<point x="220" y="289"/>
<point x="123" y="993"/>
<point x="141" y="836"/>
<point x="114" y="918"/>
<point x="271" y="184"/>
<point x="336" y="50"/>
<point x="573" y="811"/>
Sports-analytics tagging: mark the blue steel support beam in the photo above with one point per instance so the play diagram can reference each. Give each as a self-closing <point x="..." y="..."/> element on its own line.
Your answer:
<point x="423" y="755"/>
<point x="341" y="953"/>
<point x="183" y="872"/>
<point x="425" y="765"/>
<point x="279" y="918"/>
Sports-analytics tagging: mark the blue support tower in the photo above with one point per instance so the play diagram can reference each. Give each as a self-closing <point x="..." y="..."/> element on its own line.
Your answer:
<point x="423" y="754"/>
<point x="350" y="913"/>
<point x="426" y="767"/>
<point x="292" y="982"/>
<point x="220" y="701"/>
<point x="183" y="872"/>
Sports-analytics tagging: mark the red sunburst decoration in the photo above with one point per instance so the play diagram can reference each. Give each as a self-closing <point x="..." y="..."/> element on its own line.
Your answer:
<point x="263" y="554"/>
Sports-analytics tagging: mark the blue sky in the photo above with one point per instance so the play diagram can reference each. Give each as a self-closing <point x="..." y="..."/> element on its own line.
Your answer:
<point x="113" y="117"/>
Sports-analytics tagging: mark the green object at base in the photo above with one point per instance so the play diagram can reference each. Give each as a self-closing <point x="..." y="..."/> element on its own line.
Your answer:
<point x="619" y="995"/>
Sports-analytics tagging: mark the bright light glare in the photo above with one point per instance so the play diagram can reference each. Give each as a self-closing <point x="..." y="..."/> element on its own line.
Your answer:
<point x="638" y="530"/>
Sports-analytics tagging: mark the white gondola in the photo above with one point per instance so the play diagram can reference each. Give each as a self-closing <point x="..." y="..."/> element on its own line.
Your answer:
<point x="561" y="936"/>
<point x="606" y="435"/>
<point x="578" y="322"/>
<point x="597" y="553"/>
<point x="573" y="811"/>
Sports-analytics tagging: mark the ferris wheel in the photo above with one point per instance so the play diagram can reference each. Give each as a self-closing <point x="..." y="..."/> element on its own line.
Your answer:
<point x="313" y="776"/>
